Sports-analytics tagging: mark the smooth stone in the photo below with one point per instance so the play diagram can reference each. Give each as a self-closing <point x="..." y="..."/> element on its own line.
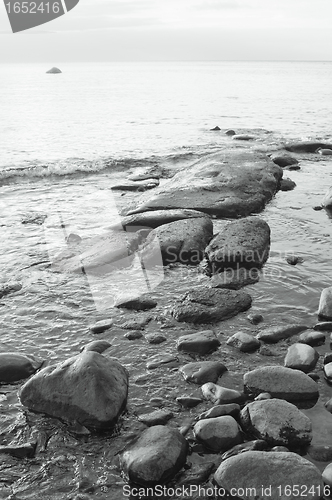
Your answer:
<point x="277" y="422"/>
<point x="203" y="371"/>
<point x="206" y="305"/>
<point x="287" y="184"/>
<point x="261" y="475"/>
<point x="320" y="453"/>
<point x="328" y="405"/>
<point x="215" y="128"/>
<point x="157" y="455"/>
<point x="226" y="184"/>
<point x="307" y="146"/>
<point x="188" y="401"/>
<point x="294" y="259"/>
<point x="221" y="395"/>
<point x="231" y="409"/>
<point x="278" y="449"/>
<point x="15" y="366"/>
<point x="24" y="450"/>
<point x="324" y="152"/>
<point x="312" y="338"/>
<point x="327" y="200"/>
<point x="323" y="326"/>
<point x="301" y="357"/>
<point x="255" y="319"/>
<point x="54" y="70"/>
<point x="101" y="326"/>
<point x="243" y="137"/>
<point x="263" y="396"/>
<point x="328" y="371"/>
<point x="89" y="388"/>
<point x="142" y="185"/>
<point x="327" y="475"/>
<point x="284" y="160"/>
<point x="234" y="279"/>
<point x="10" y="287"/>
<point x="180" y="241"/>
<point x="157" y="417"/>
<point x="244" y="243"/>
<point x="96" y="346"/>
<point x="325" y="303"/>
<point x="160" y="360"/>
<point x="155" y="338"/>
<point x="136" y="324"/>
<point x="245" y="342"/>
<point x="256" y="444"/>
<point x="280" y="382"/>
<point x="230" y="132"/>
<point x="134" y="335"/>
<point x="159" y="217"/>
<point x="218" y="434"/>
<point x="199" y="343"/>
<point x="142" y="303"/>
<point x="274" y="334"/>
<point x="327" y="358"/>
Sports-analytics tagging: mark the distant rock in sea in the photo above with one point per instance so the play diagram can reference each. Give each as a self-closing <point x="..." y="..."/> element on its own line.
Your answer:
<point x="54" y="70"/>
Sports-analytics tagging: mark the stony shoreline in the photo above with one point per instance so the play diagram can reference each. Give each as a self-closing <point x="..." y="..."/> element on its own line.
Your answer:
<point x="240" y="416"/>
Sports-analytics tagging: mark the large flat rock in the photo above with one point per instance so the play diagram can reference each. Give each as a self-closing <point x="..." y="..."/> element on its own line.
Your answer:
<point x="281" y="382"/>
<point x="225" y="184"/>
<point x="205" y="305"/>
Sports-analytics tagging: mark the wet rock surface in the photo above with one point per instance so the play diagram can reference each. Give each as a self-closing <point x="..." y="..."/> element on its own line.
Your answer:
<point x="301" y="357"/>
<point x="277" y="422"/>
<point x="203" y="371"/>
<point x="201" y="343"/>
<point x="218" y="434"/>
<point x="15" y="366"/>
<point x="245" y="342"/>
<point x="158" y="454"/>
<point x="274" y="334"/>
<point x="180" y="241"/>
<point x="205" y="305"/>
<point x="271" y="471"/>
<point x="281" y="382"/>
<point x="243" y="243"/>
<point x="231" y="185"/>
<point x="89" y="388"/>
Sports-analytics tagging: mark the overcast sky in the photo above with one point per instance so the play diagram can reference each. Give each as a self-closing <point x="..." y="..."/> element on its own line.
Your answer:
<point x="116" y="30"/>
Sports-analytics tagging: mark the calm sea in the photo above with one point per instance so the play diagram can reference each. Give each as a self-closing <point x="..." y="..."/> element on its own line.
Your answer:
<point x="66" y="138"/>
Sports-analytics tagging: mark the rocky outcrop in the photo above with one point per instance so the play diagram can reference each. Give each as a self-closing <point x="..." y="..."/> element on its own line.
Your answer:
<point x="277" y="422"/>
<point x="205" y="305"/>
<point x="158" y="454"/>
<point x="226" y="184"/>
<point x="15" y="366"/>
<point x="307" y="146"/>
<point x="218" y="434"/>
<point x="281" y="382"/>
<point x="199" y="343"/>
<point x="54" y="70"/>
<point x="301" y="357"/>
<point x="89" y="389"/>
<point x="243" y="243"/>
<point x="180" y="241"/>
<point x="203" y="371"/>
<point x="257" y="475"/>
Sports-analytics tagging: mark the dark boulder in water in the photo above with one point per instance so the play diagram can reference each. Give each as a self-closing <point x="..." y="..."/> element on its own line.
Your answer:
<point x="14" y="366"/>
<point x="215" y="128"/>
<point x="54" y="70"/>
<point x="283" y="160"/>
<point x="307" y="146"/>
<point x="229" y="184"/>
<point x="159" y="217"/>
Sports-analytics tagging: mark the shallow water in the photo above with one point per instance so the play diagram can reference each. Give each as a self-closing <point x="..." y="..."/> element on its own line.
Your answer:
<point x="67" y="177"/>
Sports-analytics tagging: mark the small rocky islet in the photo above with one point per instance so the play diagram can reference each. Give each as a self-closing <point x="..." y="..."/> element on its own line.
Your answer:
<point x="251" y="420"/>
